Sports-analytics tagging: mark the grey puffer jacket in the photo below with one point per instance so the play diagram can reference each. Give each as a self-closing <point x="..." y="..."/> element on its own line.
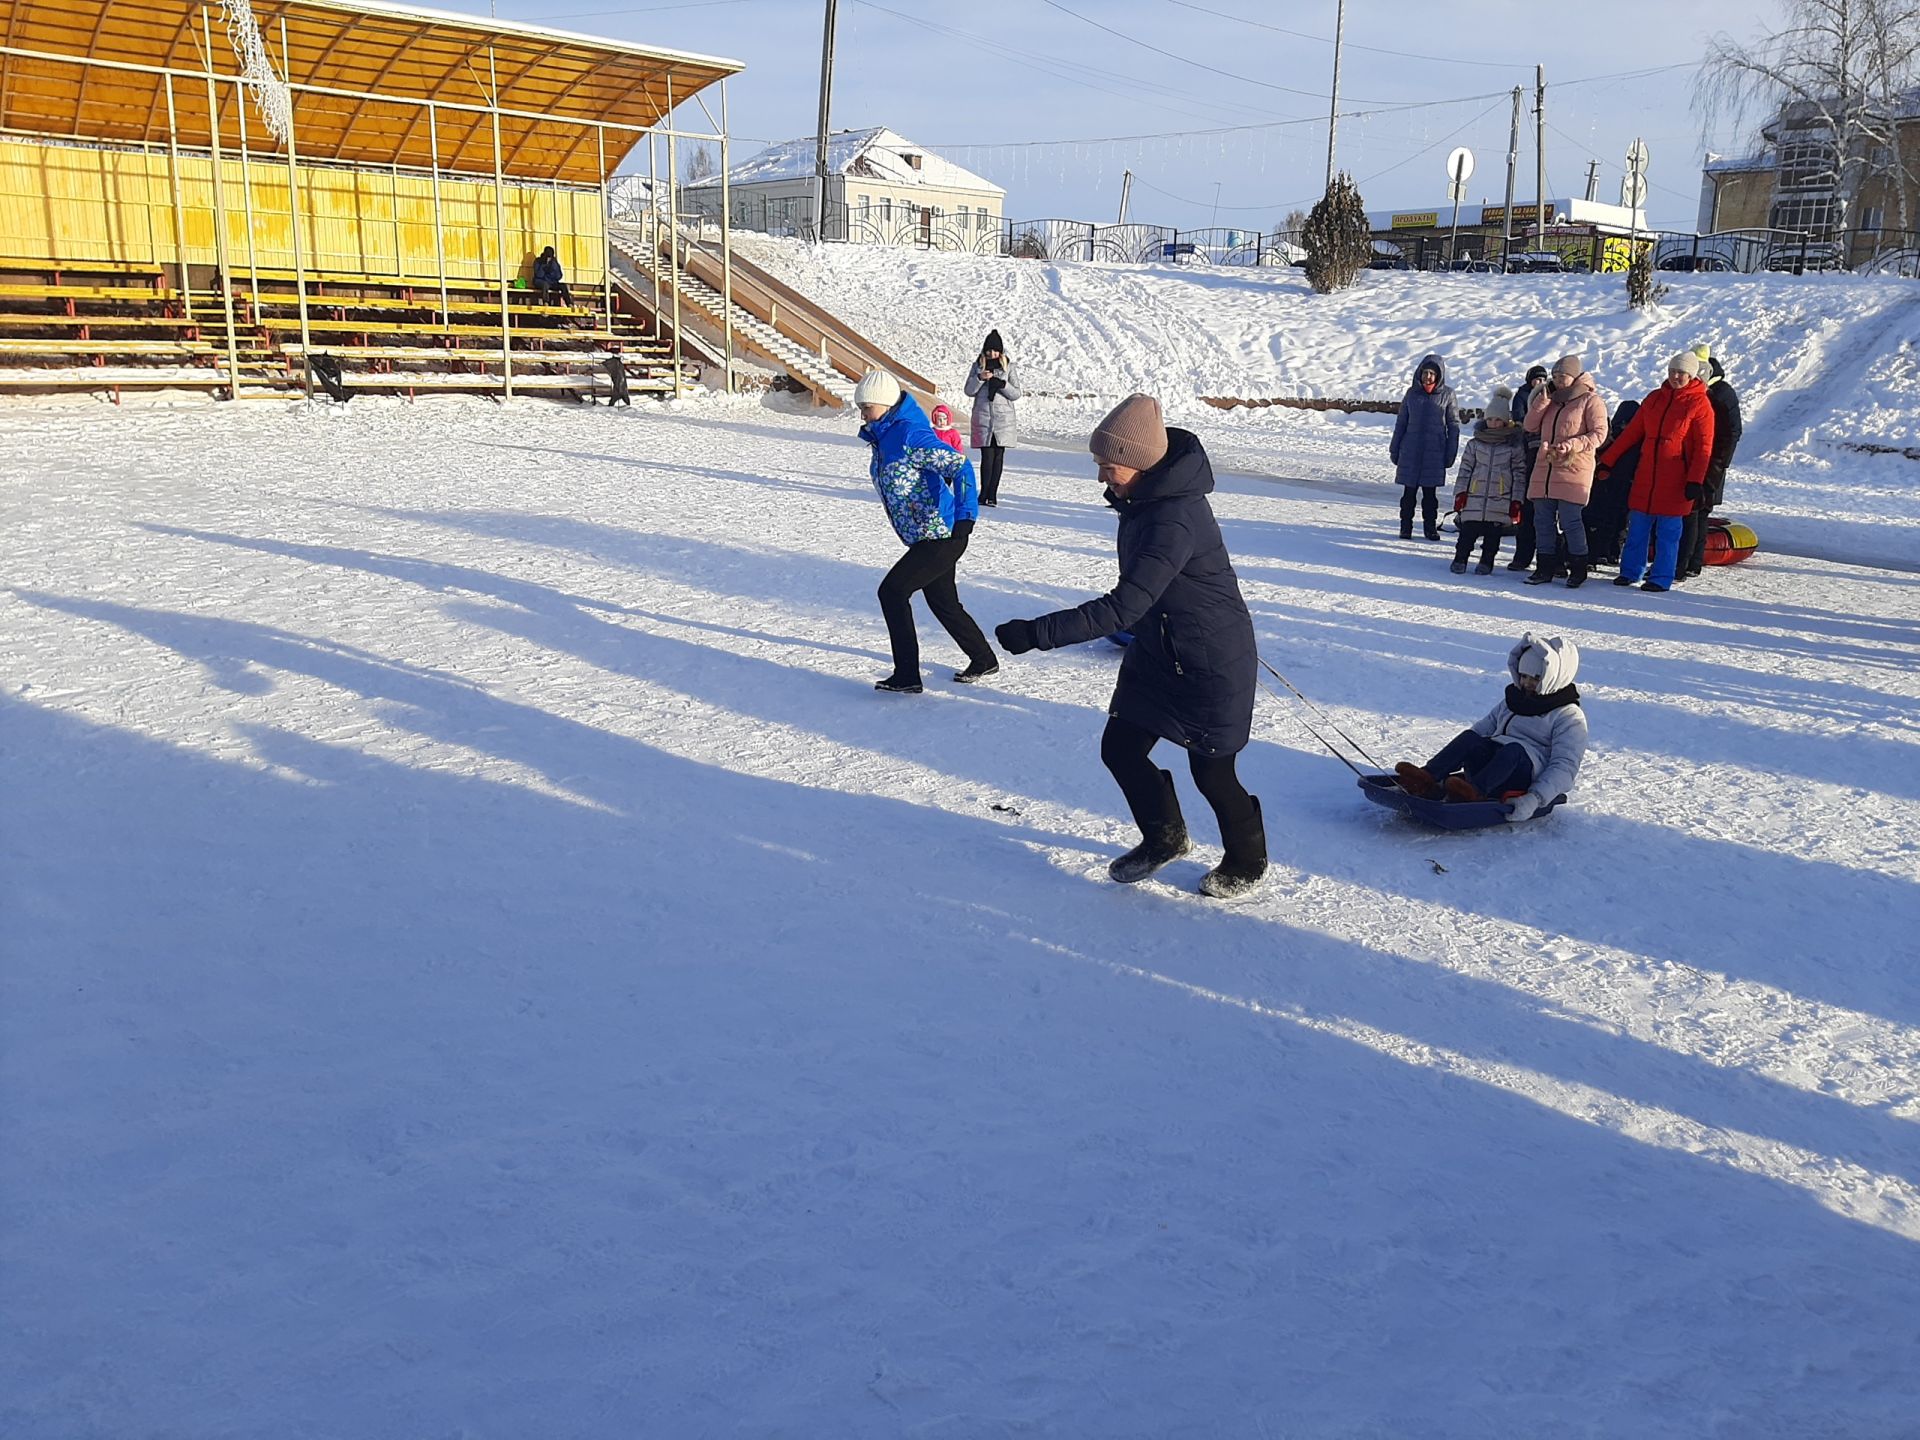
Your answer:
<point x="993" y="418"/>
<point x="1493" y="473"/>
<point x="1555" y="740"/>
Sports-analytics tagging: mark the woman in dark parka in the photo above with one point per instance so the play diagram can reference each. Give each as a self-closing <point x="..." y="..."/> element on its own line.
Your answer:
<point x="1426" y="442"/>
<point x="1189" y="675"/>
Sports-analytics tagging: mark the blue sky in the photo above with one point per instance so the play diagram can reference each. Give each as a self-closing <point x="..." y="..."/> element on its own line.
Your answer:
<point x="1207" y="79"/>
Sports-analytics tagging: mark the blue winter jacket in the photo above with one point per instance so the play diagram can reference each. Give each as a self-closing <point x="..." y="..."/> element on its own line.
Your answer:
<point x="1426" y="434"/>
<point x="1189" y="674"/>
<point x="927" y="486"/>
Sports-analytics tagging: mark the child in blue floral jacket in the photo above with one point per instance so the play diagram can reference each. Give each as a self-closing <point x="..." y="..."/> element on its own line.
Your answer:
<point x="932" y="499"/>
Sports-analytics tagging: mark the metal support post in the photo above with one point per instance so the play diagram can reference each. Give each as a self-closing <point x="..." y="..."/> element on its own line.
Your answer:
<point x="500" y="227"/>
<point x="220" y="213"/>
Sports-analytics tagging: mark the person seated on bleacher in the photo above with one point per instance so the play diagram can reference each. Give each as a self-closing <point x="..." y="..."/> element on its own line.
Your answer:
<point x="549" y="279"/>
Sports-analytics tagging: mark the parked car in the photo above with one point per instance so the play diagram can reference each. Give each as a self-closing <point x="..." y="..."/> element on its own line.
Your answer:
<point x="1718" y="264"/>
<point x="1536" y="262"/>
<point x="1466" y="265"/>
<point x="1389" y="262"/>
<point x="1796" y="256"/>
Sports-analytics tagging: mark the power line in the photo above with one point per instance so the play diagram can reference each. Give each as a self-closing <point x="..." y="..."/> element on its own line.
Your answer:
<point x="1351" y="44"/>
<point x="1501" y="95"/>
<point x="1184" y="59"/>
<point x="1035" y="60"/>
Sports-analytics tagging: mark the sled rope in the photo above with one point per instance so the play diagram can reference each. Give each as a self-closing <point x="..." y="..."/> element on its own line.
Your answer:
<point x="1316" y="734"/>
<point x="1357" y="747"/>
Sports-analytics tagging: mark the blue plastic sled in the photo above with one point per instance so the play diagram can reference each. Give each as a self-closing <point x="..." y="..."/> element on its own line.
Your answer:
<point x="1122" y="638"/>
<point x="1444" y="814"/>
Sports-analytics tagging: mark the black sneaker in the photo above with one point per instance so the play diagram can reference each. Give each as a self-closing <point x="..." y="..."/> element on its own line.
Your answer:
<point x="1624" y="580"/>
<point x="898" y="685"/>
<point x="976" y="671"/>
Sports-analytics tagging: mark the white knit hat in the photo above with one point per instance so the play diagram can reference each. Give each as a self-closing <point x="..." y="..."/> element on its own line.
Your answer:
<point x="1500" y="404"/>
<point x="877" y="387"/>
<point x="1686" y="361"/>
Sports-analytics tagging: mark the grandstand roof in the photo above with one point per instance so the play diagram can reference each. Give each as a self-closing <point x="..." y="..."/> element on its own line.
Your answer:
<point x="356" y="66"/>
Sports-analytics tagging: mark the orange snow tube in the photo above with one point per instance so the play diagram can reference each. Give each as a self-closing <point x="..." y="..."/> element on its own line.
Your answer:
<point x="1729" y="542"/>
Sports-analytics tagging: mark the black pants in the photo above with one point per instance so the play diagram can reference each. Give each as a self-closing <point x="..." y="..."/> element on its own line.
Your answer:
<point x="1429" y="499"/>
<point x="928" y="566"/>
<point x="1124" y="750"/>
<point x="1523" y="542"/>
<point x="545" y="293"/>
<point x="992" y="459"/>
<point x="1693" y="539"/>
<point x="1486" y="532"/>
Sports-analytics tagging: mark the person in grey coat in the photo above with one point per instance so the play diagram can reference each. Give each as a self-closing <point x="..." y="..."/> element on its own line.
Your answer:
<point x="993" y="387"/>
<point x="1426" y="442"/>
<point x="1492" y="484"/>
<point x="1532" y="742"/>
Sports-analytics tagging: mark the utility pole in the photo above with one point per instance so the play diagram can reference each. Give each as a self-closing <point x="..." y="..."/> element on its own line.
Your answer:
<point x="1593" y="179"/>
<point x="1540" y="150"/>
<point x="1333" y="113"/>
<point x="1513" y="163"/>
<point x="820" y="145"/>
<point x="1126" y="193"/>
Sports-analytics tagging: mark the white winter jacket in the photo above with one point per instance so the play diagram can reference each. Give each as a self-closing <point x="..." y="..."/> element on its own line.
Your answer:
<point x="1555" y="742"/>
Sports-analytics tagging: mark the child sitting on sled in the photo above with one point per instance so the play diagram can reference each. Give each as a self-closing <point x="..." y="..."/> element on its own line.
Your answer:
<point x="1527" y="748"/>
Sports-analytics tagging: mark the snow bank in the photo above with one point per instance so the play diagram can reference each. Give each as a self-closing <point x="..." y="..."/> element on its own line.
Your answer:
<point x="480" y="960"/>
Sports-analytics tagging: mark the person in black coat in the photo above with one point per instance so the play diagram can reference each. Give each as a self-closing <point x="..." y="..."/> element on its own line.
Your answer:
<point x="1189" y="675"/>
<point x="549" y="279"/>
<point x="1727" y="429"/>
<point x="1523" y="540"/>
<point x="1605" y="515"/>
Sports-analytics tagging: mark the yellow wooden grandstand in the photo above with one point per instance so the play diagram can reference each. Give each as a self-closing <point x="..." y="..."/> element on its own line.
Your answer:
<point x="207" y="193"/>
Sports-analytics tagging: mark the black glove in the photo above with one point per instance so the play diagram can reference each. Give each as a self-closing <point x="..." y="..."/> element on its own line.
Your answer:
<point x="1016" y="637"/>
<point x="1694" y="492"/>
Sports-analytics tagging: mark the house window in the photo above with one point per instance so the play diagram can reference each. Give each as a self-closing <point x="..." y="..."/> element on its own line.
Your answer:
<point x="886" y="212"/>
<point x="1813" y="215"/>
<point x="1807" y="165"/>
<point x="1873" y="218"/>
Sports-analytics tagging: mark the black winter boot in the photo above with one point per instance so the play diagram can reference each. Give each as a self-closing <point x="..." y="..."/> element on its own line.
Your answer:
<point x="1576" y="571"/>
<point x="1163" y="833"/>
<point x="1242" y="868"/>
<point x="1546" y="571"/>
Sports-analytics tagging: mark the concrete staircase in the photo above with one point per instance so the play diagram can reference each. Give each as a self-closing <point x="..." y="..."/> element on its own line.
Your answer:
<point x="803" y="364"/>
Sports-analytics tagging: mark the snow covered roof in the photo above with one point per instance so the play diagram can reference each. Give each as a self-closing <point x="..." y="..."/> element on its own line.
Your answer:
<point x="877" y="154"/>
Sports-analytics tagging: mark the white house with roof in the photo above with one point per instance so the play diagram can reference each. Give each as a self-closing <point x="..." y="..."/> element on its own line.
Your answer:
<point x="882" y="189"/>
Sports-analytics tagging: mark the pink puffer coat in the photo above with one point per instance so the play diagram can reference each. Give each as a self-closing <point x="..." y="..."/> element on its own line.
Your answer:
<point x="1574" y="416"/>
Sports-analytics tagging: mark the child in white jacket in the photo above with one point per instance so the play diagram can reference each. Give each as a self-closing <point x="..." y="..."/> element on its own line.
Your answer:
<point x="1528" y="747"/>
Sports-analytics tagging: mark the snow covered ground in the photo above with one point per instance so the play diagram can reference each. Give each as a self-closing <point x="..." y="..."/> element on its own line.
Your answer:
<point x="481" y="961"/>
<point x="1822" y="362"/>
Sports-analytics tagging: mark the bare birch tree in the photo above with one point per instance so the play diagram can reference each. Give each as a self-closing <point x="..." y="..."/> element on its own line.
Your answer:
<point x="1839" y="73"/>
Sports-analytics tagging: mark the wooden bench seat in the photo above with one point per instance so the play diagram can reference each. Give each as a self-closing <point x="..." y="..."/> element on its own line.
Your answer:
<point x="109" y="379"/>
<point x="278" y="326"/>
<point x="104" y="347"/>
<point x="14" y="320"/>
<point x="261" y="300"/>
<point x="398" y="380"/>
<point x="124" y="294"/>
<point x="150" y="273"/>
<point x="295" y="350"/>
<point x="421" y="284"/>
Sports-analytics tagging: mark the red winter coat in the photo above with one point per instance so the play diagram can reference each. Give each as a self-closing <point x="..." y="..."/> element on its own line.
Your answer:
<point x="1674" y="429"/>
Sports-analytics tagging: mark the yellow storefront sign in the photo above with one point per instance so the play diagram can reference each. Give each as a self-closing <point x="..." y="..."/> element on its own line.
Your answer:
<point x="1418" y="220"/>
